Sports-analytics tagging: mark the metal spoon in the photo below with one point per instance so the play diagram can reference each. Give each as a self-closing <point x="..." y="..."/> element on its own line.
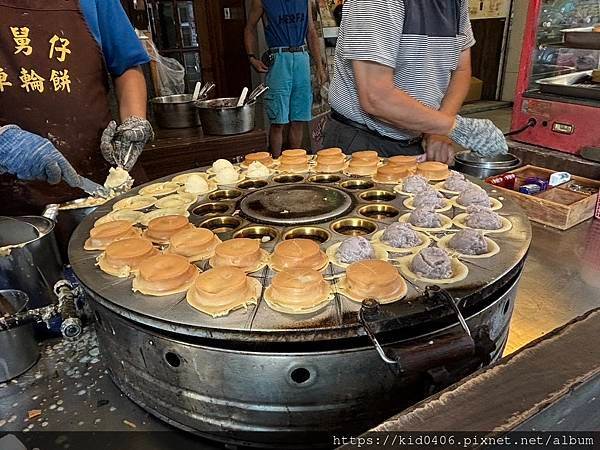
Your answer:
<point x="260" y="90"/>
<point x="242" y="98"/>
<point x="197" y="91"/>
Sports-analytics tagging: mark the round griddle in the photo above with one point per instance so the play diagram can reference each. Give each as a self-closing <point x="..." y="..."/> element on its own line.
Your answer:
<point x="287" y="208"/>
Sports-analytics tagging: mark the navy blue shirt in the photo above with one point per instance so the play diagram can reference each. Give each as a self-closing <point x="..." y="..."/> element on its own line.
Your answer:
<point x="285" y="22"/>
<point x="113" y="31"/>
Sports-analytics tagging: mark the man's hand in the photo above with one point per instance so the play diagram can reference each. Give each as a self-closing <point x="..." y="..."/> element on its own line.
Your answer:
<point x="480" y="136"/>
<point x="438" y="148"/>
<point x="258" y="65"/>
<point x="32" y="157"/>
<point x="122" y="145"/>
<point x="322" y="75"/>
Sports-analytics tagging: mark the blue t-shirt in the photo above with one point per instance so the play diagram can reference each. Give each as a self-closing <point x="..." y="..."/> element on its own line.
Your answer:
<point x="285" y="22"/>
<point x="114" y="33"/>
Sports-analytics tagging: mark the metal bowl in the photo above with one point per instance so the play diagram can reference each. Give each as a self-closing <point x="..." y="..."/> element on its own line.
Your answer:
<point x="175" y="111"/>
<point x="471" y="164"/>
<point x="19" y="347"/>
<point x="222" y="117"/>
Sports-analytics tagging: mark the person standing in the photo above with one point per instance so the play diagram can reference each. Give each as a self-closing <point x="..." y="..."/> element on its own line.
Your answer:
<point x="290" y="32"/>
<point x="55" y="122"/>
<point x="402" y="72"/>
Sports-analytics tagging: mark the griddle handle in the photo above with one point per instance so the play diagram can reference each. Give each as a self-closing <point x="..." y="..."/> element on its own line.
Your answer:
<point x="424" y="355"/>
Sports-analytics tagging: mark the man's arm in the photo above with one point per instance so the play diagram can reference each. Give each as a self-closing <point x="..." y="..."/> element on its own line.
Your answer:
<point x="440" y="148"/>
<point x="459" y="85"/>
<point x="131" y="93"/>
<point x="250" y="36"/>
<point x="314" y="46"/>
<point x="379" y="97"/>
<point x="122" y="145"/>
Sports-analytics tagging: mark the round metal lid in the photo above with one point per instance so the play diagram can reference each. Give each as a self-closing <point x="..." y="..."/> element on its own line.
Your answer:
<point x="488" y="161"/>
<point x="295" y="204"/>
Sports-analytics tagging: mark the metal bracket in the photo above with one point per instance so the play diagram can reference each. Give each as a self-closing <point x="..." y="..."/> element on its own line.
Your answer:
<point x="461" y="344"/>
<point x="368" y="311"/>
<point x="436" y="292"/>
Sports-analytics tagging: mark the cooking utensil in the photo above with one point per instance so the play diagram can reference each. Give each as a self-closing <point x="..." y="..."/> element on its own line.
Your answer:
<point x="92" y="188"/>
<point x="209" y="86"/>
<point x="67" y="216"/>
<point x="471" y="164"/>
<point x="242" y="98"/>
<point x="260" y="90"/>
<point x="196" y="93"/>
<point x="19" y="347"/>
<point x="175" y="111"/>
<point x="222" y="117"/>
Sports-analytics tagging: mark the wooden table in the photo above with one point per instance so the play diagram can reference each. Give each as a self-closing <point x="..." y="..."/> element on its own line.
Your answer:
<point x="176" y="150"/>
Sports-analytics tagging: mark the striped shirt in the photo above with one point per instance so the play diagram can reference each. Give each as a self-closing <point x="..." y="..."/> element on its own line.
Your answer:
<point x="420" y="39"/>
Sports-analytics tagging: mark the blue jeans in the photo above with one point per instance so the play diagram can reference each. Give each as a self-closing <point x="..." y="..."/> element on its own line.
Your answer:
<point x="289" y="98"/>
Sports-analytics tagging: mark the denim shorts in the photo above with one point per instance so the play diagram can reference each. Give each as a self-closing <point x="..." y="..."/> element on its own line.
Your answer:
<point x="289" y="98"/>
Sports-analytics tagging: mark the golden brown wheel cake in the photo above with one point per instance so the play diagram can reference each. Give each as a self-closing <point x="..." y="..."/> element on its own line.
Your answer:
<point x="407" y="162"/>
<point x="121" y="258"/>
<point x="294" y="152"/>
<point x="366" y="166"/>
<point x="106" y="233"/>
<point x="161" y="229"/>
<point x="221" y="290"/>
<point x="298" y="291"/>
<point x="391" y="173"/>
<point x="195" y="244"/>
<point x="293" y="163"/>
<point x="365" y="154"/>
<point x="165" y="274"/>
<point x="262" y="157"/>
<point x="596" y="29"/>
<point x="331" y="163"/>
<point x="243" y="253"/>
<point x="433" y="170"/>
<point x="297" y="254"/>
<point x="334" y="151"/>
<point x="374" y="279"/>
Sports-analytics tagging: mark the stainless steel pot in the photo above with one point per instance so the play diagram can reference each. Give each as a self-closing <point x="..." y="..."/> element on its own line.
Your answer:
<point x="471" y="164"/>
<point x="18" y="348"/>
<point x="32" y="263"/>
<point x="175" y="111"/>
<point x="222" y="117"/>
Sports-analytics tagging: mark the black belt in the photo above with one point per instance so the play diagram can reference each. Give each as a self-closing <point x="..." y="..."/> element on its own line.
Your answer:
<point x="351" y="123"/>
<point x="302" y="48"/>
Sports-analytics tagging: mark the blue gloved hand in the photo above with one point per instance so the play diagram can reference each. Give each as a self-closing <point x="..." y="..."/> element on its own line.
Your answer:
<point x="32" y="157"/>
<point x="480" y="136"/>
